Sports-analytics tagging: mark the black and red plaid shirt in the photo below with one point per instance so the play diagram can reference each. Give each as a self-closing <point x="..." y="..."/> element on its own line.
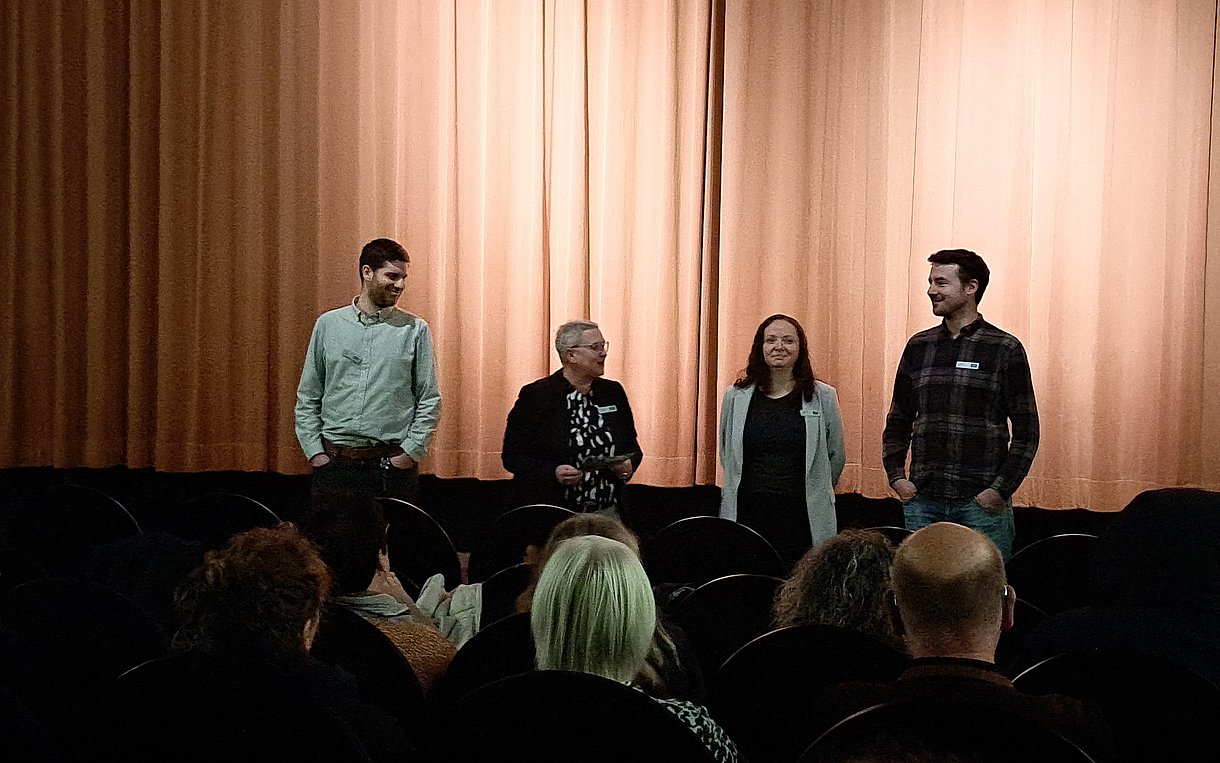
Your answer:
<point x="953" y="401"/>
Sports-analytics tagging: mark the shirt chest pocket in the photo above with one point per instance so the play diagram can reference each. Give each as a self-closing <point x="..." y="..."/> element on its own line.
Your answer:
<point x="396" y="363"/>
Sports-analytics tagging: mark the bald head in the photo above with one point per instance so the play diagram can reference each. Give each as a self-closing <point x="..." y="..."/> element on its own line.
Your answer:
<point x="949" y="583"/>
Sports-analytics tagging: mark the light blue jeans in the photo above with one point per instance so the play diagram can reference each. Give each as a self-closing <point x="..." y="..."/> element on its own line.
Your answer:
<point x="921" y="511"/>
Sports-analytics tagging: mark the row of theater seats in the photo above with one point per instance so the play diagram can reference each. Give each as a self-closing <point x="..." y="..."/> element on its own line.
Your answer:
<point x="759" y="681"/>
<point x="60" y="529"/>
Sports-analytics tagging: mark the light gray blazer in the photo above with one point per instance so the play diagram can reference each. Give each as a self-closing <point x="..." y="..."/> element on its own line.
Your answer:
<point x="823" y="454"/>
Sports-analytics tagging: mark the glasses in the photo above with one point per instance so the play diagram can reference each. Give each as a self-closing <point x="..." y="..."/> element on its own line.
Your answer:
<point x="596" y="346"/>
<point x="787" y="341"/>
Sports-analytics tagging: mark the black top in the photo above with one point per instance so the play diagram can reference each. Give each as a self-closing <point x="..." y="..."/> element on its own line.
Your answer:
<point x="773" y="446"/>
<point x="536" y="436"/>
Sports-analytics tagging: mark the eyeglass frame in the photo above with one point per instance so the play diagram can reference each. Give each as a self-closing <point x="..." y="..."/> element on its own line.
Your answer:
<point x="604" y="346"/>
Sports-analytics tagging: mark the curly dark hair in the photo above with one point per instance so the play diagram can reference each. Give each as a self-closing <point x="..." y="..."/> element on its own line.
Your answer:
<point x="254" y="597"/>
<point x="758" y="373"/>
<point x="842" y="581"/>
<point x="349" y="531"/>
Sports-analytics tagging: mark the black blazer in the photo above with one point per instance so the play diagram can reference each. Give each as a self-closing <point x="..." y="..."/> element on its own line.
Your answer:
<point x="536" y="436"/>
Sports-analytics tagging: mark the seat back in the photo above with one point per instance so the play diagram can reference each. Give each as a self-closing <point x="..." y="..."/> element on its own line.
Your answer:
<point x="694" y="550"/>
<point x="561" y="716"/>
<point x="213" y="518"/>
<point x="503" y="543"/>
<point x="1026" y="617"/>
<point x="419" y="547"/>
<point x="1157" y="709"/>
<point x="895" y="535"/>
<point x="92" y="634"/>
<point x="57" y="530"/>
<point x="765" y="694"/>
<point x="500" y="593"/>
<point x="1054" y="573"/>
<point x="919" y="729"/>
<point x="723" y="615"/>
<point x="383" y="674"/>
<point x="500" y="649"/>
<point x="193" y="707"/>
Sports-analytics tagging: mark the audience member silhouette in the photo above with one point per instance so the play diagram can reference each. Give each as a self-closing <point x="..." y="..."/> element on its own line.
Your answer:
<point x="260" y="600"/>
<point x="842" y="581"/>
<point x="349" y="530"/>
<point x="593" y="612"/>
<point x="950" y="603"/>
<point x="671" y="670"/>
<point x="148" y="568"/>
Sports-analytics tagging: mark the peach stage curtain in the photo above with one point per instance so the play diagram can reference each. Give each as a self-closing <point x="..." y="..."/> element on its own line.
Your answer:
<point x="542" y="161"/>
<point x="158" y="232"/>
<point x="1066" y="142"/>
<point x="185" y="185"/>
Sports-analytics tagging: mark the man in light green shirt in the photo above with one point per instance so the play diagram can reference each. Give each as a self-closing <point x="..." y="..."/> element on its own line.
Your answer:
<point x="368" y="400"/>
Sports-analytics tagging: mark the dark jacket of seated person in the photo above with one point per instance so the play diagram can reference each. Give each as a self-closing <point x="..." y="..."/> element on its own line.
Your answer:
<point x="978" y="684"/>
<point x="260" y="600"/>
<point x="950" y="603"/>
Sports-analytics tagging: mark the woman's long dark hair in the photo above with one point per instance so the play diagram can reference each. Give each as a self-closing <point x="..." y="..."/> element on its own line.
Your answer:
<point x="758" y="373"/>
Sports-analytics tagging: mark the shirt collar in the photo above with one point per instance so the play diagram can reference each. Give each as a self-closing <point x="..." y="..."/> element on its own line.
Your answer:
<point x="371" y="320"/>
<point x="967" y="330"/>
<point x="955" y="667"/>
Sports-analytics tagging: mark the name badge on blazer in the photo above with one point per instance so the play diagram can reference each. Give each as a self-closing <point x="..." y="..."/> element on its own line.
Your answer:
<point x="814" y="412"/>
<point x="607" y="408"/>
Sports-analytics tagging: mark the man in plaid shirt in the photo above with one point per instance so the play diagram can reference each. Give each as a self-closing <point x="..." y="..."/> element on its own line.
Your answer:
<point x="958" y="388"/>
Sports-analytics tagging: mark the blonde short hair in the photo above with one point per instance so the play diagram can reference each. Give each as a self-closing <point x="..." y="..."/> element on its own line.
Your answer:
<point x="593" y="610"/>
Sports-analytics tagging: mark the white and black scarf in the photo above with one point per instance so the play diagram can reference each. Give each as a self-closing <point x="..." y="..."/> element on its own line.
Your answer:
<point x="591" y="443"/>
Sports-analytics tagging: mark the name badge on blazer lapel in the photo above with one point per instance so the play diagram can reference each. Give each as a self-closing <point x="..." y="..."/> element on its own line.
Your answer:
<point x="814" y="412"/>
<point x="607" y="408"/>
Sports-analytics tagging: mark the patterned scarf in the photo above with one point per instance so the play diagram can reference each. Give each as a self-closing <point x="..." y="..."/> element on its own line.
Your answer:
<point x="591" y="442"/>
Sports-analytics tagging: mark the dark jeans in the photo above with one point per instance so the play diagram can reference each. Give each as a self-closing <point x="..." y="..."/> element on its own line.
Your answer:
<point x="376" y="477"/>
<point x="920" y="511"/>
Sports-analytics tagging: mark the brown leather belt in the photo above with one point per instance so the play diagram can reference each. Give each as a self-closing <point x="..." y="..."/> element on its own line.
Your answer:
<point x="372" y="452"/>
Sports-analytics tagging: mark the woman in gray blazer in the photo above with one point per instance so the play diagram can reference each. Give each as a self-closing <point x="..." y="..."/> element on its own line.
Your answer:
<point x="781" y="443"/>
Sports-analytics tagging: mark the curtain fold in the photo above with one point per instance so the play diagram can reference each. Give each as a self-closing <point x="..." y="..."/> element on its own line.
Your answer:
<point x="187" y="185"/>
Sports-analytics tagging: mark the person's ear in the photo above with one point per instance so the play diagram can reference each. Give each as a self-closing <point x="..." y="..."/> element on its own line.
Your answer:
<point x="1008" y="618"/>
<point x="311" y="630"/>
<point x="366" y="273"/>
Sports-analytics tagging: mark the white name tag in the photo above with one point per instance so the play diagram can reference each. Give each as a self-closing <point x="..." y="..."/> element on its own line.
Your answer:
<point x="607" y="408"/>
<point x="971" y="366"/>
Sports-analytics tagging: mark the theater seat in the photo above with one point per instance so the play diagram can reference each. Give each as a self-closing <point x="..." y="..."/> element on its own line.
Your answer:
<point x="552" y="716"/>
<point x="695" y="550"/>
<point x="922" y="730"/>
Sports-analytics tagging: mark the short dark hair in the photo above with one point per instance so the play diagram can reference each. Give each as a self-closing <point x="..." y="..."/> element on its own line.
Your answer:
<point x="379" y="251"/>
<point x="349" y="530"/>
<point x="758" y="373"/>
<point x="254" y="596"/>
<point x="970" y="267"/>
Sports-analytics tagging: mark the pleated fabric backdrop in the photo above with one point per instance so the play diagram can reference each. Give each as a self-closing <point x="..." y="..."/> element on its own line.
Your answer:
<point x="186" y="185"/>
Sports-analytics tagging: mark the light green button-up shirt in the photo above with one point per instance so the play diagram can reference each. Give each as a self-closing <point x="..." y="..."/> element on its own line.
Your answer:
<point x="368" y="380"/>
